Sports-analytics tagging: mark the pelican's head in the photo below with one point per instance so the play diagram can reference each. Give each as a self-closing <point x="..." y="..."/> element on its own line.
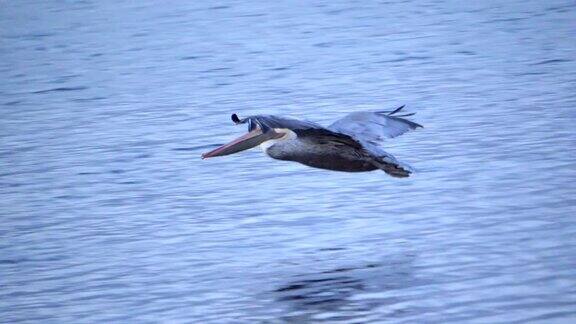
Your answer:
<point x="258" y="133"/>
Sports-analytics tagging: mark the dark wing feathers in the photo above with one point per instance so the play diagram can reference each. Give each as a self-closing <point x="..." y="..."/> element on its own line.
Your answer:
<point x="325" y="136"/>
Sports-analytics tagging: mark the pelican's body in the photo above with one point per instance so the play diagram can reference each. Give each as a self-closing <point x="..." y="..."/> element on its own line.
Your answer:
<point x="350" y="144"/>
<point x="330" y="157"/>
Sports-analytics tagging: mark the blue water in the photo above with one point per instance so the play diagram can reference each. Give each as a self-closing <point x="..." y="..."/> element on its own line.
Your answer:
<point x="108" y="214"/>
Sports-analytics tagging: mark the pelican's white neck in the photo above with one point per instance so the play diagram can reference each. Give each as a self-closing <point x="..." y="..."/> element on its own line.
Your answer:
<point x="288" y="135"/>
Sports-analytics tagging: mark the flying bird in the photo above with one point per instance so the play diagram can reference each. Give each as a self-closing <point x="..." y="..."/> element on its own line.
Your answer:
<point x="350" y="144"/>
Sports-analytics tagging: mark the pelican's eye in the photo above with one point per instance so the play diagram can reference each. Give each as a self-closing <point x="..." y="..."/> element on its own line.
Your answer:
<point x="251" y="125"/>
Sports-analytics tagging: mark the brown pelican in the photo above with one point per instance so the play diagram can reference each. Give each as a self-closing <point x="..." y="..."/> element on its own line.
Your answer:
<point x="350" y="144"/>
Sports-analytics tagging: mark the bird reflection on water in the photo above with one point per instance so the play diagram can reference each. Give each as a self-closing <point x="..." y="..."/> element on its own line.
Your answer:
<point x="338" y="293"/>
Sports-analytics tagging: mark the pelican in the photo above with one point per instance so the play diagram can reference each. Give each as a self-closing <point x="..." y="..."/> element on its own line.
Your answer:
<point x="350" y="144"/>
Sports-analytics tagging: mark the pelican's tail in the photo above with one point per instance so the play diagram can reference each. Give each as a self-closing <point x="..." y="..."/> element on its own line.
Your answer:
<point x="387" y="162"/>
<point x="393" y="167"/>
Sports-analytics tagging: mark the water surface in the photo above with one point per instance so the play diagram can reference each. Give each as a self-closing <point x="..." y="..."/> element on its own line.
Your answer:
<point x="109" y="215"/>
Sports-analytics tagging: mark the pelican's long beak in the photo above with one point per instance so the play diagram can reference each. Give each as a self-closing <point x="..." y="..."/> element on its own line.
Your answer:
<point x="247" y="141"/>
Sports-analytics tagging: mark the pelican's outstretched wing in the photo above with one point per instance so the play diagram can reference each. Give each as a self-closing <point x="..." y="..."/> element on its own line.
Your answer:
<point x="305" y="130"/>
<point x="374" y="126"/>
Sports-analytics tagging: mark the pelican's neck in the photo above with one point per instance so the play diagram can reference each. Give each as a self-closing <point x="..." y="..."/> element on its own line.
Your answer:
<point x="288" y="135"/>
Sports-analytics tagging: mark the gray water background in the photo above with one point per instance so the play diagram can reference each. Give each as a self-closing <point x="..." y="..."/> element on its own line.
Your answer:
<point x="108" y="214"/>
